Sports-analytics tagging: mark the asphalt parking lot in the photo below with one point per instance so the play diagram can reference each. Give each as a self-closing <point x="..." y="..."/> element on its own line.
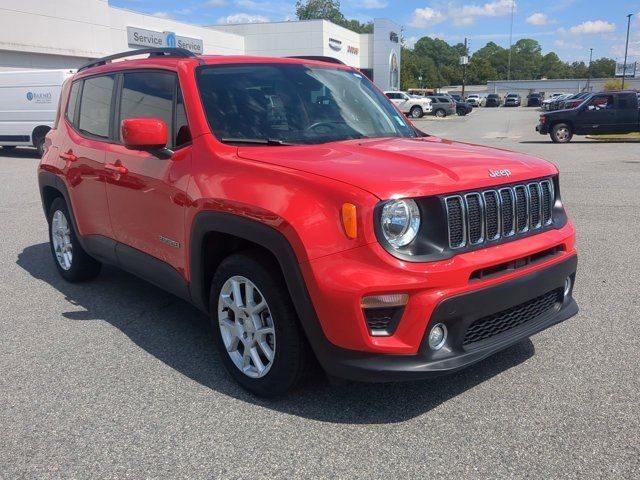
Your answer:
<point x="116" y="379"/>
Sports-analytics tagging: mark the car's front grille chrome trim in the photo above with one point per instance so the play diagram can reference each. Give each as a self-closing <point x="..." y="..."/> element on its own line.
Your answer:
<point x="476" y="218"/>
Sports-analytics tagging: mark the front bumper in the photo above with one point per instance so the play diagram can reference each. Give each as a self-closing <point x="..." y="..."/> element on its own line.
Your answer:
<point x="542" y="129"/>
<point x="457" y="313"/>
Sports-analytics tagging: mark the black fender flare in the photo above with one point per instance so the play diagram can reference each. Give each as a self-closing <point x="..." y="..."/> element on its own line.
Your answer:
<point x="275" y="242"/>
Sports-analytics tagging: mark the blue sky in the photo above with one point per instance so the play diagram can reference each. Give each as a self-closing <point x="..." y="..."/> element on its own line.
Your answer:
<point x="568" y="27"/>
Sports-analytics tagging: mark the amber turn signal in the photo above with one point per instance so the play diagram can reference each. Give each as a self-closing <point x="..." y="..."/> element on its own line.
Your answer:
<point x="350" y="220"/>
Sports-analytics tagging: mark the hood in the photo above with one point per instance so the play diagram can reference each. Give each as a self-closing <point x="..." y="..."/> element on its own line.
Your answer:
<point x="405" y="167"/>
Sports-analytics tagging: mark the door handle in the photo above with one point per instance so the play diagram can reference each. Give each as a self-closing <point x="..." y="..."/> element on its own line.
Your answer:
<point x="121" y="169"/>
<point x="69" y="156"/>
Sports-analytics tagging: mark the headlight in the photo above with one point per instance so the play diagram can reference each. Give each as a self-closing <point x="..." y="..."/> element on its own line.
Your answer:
<point x="400" y="222"/>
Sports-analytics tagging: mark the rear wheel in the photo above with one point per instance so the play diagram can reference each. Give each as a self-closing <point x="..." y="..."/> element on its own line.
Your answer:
<point x="461" y="112"/>
<point x="38" y="142"/>
<point x="416" y="112"/>
<point x="255" y="326"/>
<point x="561" y="133"/>
<point x="72" y="262"/>
<point x="440" y="113"/>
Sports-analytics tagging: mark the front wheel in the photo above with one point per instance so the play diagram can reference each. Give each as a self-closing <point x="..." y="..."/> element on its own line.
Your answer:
<point x="255" y="325"/>
<point x="561" y="133"/>
<point x="461" y="112"/>
<point x="416" y="112"/>
<point x="71" y="260"/>
<point x="440" y="113"/>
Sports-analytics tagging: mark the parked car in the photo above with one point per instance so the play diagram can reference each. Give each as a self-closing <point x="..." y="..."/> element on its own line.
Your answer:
<point x="475" y="100"/>
<point x="443" y="105"/>
<point x="512" y="100"/>
<point x="534" y="100"/>
<point x="572" y="101"/>
<point x="411" y="105"/>
<point x="337" y="231"/>
<point x="546" y="104"/>
<point x="493" y="100"/>
<point x="606" y="112"/>
<point x="462" y="107"/>
<point x="28" y="101"/>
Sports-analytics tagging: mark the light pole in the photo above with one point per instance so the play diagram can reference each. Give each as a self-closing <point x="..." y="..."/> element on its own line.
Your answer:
<point x="626" y="49"/>
<point x="589" y="77"/>
<point x="513" y="6"/>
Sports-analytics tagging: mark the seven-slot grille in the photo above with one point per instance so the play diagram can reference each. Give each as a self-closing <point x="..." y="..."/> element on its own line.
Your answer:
<point x="478" y="217"/>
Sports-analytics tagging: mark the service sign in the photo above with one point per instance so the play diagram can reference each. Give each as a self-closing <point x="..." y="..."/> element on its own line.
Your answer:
<point x="140" y="37"/>
<point x="631" y="69"/>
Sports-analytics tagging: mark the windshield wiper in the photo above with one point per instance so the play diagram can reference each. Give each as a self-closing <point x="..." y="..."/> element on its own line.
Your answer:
<point x="257" y="141"/>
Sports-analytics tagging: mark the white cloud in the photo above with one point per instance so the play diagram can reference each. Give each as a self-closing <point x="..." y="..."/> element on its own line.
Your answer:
<point x="538" y="19"/>
<point x="215" y="3"/>
<point x="490" y="9"/>
<point x="562" y="44"/>
<point x="425" y="17"/>
<point x="592" y="27"/>
<point x="161" y="14"/>
<point x="371" y="4"/>
<point x="242" y="18"/>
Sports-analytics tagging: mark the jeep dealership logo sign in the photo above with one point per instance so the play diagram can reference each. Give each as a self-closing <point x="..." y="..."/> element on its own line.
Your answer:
<point x="140" y="37"/>
<point x="335" y="44"/>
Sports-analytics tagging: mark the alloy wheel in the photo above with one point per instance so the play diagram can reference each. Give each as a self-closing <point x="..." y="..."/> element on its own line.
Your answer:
<point x="246" y="326"/>
<point x="61" y="238"/>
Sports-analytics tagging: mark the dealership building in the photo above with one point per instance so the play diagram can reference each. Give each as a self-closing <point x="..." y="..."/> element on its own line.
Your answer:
<point x="44" y="34"/>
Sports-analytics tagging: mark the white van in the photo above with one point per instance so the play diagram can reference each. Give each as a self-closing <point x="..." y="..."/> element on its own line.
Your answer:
<point x="28" y="104"/>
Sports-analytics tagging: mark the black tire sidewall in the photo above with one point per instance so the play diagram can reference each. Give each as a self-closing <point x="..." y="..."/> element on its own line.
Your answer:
<point x="418" y="109"/>
<point x="291" y="349"/>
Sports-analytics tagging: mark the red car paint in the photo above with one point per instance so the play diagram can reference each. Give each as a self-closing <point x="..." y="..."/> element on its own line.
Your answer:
<point x="134" y="198"/>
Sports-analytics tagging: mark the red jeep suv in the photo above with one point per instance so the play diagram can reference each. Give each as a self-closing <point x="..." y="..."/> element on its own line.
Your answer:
<point x="292" y="202"/>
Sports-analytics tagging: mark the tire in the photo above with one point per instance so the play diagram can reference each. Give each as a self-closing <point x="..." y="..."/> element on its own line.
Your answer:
<point x="72" y="262"/>
<point x="461" y="112"/>
<point x="232" y="331"/>
<point x="561" y="133"/>
<point x="38" y="142"/>
<point x="440" y="113"/>
<point x="416" y="112"/>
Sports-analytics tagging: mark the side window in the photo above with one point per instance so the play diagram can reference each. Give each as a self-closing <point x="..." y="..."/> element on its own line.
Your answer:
<point x="182" y="132"/>
<point x="148" y="95"/>
<point x="95" y="106"/>
<point x="73" y="101"/>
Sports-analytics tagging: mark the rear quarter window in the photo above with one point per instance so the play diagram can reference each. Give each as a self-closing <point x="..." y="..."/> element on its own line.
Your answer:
<point x="72" y="103"/>
<point x="95" y="106"/>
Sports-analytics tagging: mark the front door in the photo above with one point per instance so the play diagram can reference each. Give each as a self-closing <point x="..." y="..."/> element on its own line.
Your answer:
<point x="145" y="192"/>
<point x="597" y="116"/>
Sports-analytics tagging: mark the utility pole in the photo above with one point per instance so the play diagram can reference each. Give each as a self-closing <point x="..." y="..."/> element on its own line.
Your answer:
<point x="513" y="6"/>
<point x="589" y="77"/>
<point x="464" y="60"/>
<point x="626" y="49"/>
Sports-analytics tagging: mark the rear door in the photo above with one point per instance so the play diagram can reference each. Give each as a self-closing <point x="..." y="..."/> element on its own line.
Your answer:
<point x="88" y="133"/>
<point x="626" y="113"/>
<point x="147" y="196"/>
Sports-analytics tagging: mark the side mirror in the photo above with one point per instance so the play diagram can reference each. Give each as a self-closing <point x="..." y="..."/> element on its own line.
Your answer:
<point x="149" y="134"/>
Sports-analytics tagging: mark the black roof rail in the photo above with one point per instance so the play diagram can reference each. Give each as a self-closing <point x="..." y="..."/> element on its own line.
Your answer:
<point x="319" y="58"/>
<point x="152" y="52"/>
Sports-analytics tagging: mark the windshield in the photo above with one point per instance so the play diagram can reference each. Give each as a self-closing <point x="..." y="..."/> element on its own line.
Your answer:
<point x="295" y="103"/>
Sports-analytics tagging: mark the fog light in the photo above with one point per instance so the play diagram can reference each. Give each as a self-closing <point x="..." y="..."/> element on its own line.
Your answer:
<point x="567" y="287"/>
<point x="437" y="336"/>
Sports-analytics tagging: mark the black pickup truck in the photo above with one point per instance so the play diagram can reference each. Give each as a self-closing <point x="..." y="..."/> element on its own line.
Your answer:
<point x="605" y="112"/>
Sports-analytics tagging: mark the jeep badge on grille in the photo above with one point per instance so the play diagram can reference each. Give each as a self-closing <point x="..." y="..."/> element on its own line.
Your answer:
<point x="499" y="173"/>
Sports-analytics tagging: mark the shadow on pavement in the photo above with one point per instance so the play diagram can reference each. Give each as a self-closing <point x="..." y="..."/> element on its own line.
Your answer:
<point x="178" y="334"/>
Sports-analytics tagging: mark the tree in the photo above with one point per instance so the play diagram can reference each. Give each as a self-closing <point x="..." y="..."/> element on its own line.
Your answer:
<point x="329" y="10"/>
<point x="603" y="68"/>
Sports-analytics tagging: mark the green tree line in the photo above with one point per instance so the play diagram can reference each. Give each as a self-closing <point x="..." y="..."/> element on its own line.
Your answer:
<point x="437" y="63"/>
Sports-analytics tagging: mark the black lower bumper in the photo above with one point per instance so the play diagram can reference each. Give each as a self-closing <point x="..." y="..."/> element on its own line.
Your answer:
<point x="542" y="129"/>
<point x="458" y="313"/>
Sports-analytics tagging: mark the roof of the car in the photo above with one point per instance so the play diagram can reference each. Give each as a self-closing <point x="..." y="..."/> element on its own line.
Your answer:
<point x="171" y="62"/>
